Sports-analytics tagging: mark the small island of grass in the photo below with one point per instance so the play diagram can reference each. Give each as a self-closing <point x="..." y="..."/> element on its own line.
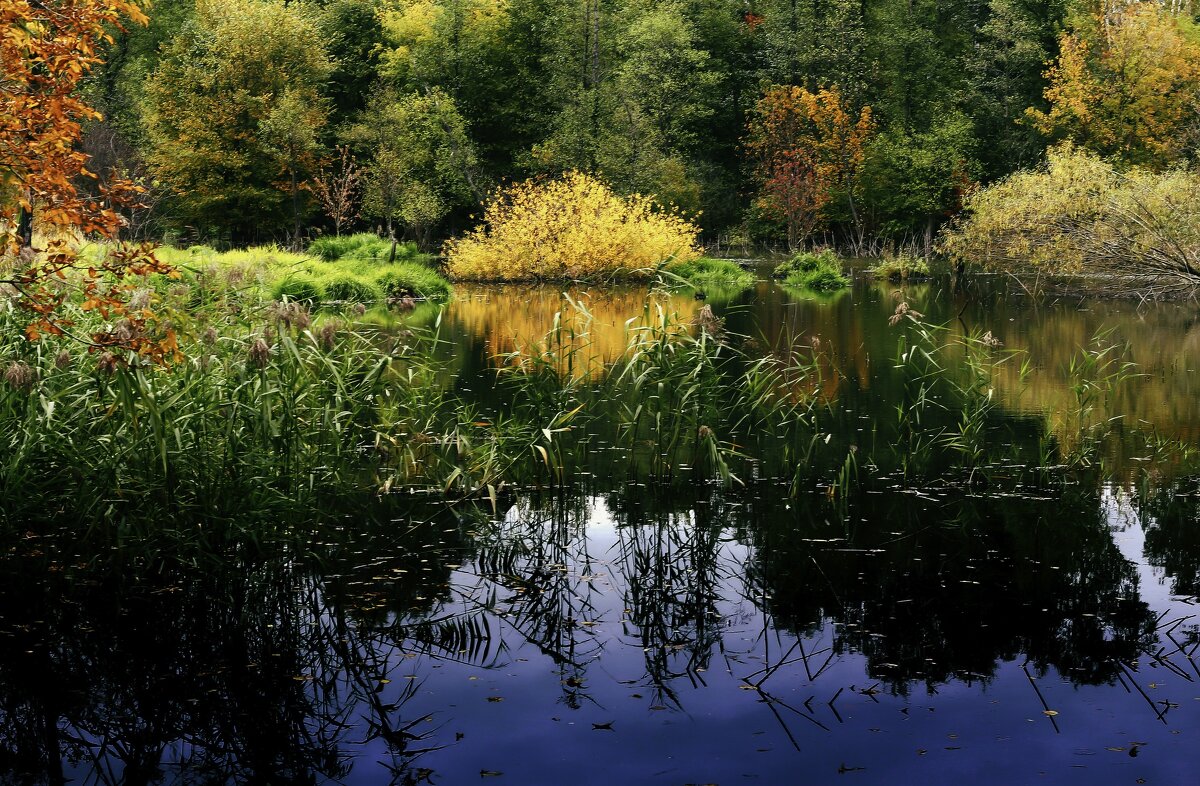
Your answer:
<point x="816" y="271"/>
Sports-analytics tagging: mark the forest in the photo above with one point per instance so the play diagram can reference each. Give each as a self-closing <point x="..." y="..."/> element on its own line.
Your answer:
<point x="776" y="123"/>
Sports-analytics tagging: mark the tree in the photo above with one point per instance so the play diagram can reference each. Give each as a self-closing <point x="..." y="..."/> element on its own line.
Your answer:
<point x="1079" y="213"/>
<point x="338" y="189"/>
<point x="239" y="68"/>
<point x="46" y="49"/>
<point x="289" y="132"/>
<point x="809" y="150"/>
<point x="1005" y="77"/>
<point x="1129" y="88"/>
<point x="354" y="37"/>
<point x="914" y="181"/>
<point x="421" y="160"/>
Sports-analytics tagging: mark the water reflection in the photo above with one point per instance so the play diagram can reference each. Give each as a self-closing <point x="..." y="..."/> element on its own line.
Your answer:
<point x="928" y="589"/>
<point x="905" y="635"/>
<point x="749" y="621"/>
<point x="854" y="350"/>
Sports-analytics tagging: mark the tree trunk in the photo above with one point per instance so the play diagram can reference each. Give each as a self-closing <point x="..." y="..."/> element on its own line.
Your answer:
<point x="25" y="227"/>
<point x="295" y="210"/>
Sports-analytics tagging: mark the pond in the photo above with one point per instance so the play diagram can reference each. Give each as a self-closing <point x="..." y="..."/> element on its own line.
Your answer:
<point x="610" y="631"/>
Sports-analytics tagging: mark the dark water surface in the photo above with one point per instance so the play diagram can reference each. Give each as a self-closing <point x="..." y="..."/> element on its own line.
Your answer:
<point x="623" y="635"/>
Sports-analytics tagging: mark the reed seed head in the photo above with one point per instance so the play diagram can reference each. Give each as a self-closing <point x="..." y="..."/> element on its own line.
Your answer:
<point x="18" y="375"/>
<point x="327" y="336"/>
<point x="140" y="299"/>
<point x="260" y="353"/>
<point x="107" y="364"/>
<point x="904" y="310"/>
<point x="709" y="322"/>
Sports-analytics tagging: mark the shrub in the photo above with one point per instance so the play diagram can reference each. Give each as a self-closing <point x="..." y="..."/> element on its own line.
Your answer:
<point x="352" y="289"/>
<point x="571" y="227"/>
<point x="707" y="273"/>
<point x="1078" y="214"/>
<point x="820" y="271"/>
<point x="410" y="279"/>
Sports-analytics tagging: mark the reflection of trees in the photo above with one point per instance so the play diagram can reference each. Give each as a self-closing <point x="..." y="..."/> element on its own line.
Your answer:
<point x="1170" y="516"/>
<point x="213" y="666"/>
<point x="858" y="347"/>
<point x="928" y="589"/>
<point x="270" y="665"/>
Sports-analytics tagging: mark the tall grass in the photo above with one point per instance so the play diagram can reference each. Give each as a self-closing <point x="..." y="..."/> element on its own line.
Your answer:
<point x="273" y="414"/>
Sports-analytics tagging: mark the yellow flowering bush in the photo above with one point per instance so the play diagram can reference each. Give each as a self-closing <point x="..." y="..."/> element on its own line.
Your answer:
<point x="573" y="227"/>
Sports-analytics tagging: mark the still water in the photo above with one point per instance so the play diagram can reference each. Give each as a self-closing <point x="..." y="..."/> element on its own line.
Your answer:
<point x="621" y="634"/>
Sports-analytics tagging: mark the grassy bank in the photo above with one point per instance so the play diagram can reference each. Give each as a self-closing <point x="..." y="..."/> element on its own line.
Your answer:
<point x="354" y="269"/>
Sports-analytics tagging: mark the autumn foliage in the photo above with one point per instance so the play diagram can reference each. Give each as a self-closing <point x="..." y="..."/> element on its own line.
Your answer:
<point x="46" y="49"/>
<point x="1129" y="88"/>
<point x="809" y="147"/>
<point x="570" y="227"/>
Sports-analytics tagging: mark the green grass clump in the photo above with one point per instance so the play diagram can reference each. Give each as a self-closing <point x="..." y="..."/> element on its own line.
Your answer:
<point x="269" y="272"/>
<point x="706" y="273"/>
<point x="819" y="271"/>
<point x="412" y="279"/>
<point x="352" y="289"/>
<point x="900" y="267"/>
<point x="298" y="288"/>
<point x="364" y="246"/>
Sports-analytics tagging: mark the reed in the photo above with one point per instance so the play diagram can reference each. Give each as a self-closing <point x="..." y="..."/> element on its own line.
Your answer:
<point x="279" y="412"/>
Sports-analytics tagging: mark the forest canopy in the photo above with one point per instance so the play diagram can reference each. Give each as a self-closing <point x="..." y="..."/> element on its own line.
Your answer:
<point x="778" y="122"/>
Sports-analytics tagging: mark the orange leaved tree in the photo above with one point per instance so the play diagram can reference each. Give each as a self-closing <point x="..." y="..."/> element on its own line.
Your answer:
<point x="809" y="148"/>
<point x="46" y="49"/>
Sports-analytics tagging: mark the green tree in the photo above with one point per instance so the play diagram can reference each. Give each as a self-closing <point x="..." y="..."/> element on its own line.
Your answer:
<point x="210" y="99"/>
<point x="355" y="38"/>
<point x="1004" y="75"/>
<point x="915" y="181"/>
<point x="289" y="133"/>
<point x="420" y="160"/>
